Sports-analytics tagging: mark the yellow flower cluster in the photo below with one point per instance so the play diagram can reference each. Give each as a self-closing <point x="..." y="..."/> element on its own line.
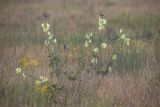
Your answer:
<point x="41" y="89"/>
<point x="26" y="62"/>
<point x="41" y="85"/>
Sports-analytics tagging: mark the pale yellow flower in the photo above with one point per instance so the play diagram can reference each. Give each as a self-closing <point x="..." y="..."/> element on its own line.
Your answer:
<point x="110" y="69"/>
<point x="50" y="37"/>
<point x="95" y="50"/>
<point x="114" y="57"/>
<point x="94" y="60"/>
<point x="127" y="41"/>
<point x="48" y="25"/>
<point x="123" y="36"/>
<point x="121" y="30"/>
<point x="101" y="28"/>
<point x="18" y="70"/>
<point x="42" y="25"/>
<point x="37" y="82"/>
<point x="102" y="22"/>
<point x="46" y="42"/>
<point x="104" y="45"/>
<point x="43" y="79"/>
<point x="49" y="33"/>
<point x="89" y="35"/>
<point x="86" y="44"/>
<point x="55" y="41"/>
<point x="45" y="27"/>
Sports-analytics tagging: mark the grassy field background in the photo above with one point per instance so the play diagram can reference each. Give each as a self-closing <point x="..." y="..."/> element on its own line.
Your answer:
<point x="135" y="80"/>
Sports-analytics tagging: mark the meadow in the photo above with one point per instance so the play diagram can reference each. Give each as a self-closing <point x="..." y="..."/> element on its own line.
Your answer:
<point x="79" y="53"/>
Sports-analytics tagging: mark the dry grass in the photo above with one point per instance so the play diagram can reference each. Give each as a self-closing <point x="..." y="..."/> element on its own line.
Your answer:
<point x="68" y="15"/>
<point x="140" y="90"/>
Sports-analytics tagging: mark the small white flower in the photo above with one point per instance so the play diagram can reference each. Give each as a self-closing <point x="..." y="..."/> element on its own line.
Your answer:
<point x="127" y="41"/>
<point x="18" y="70"/>
<point x="102" y="22"/>
<point x="50" y="37"/>
<point x="89" y="35"/>
<point x="94" y="60"/>
<point x="42" y="25"/>
<point x="110" y="69"/>
<point x="95" y="50"/>
<point x="104" y="45"/>
<point x="121" y="30"/>
<point x="123" y="36"/>
<point x="101" y="28"/>
<point x="89" y="41"/>
<point x="55" y="41"/>
<point x="48" y="25"/>
<point x="45" y="27"/>
<point x="45" y="30"/>
<point x="86" y="44"/>
<point x="49" y="33"/>
<point x="46" y="42"/>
